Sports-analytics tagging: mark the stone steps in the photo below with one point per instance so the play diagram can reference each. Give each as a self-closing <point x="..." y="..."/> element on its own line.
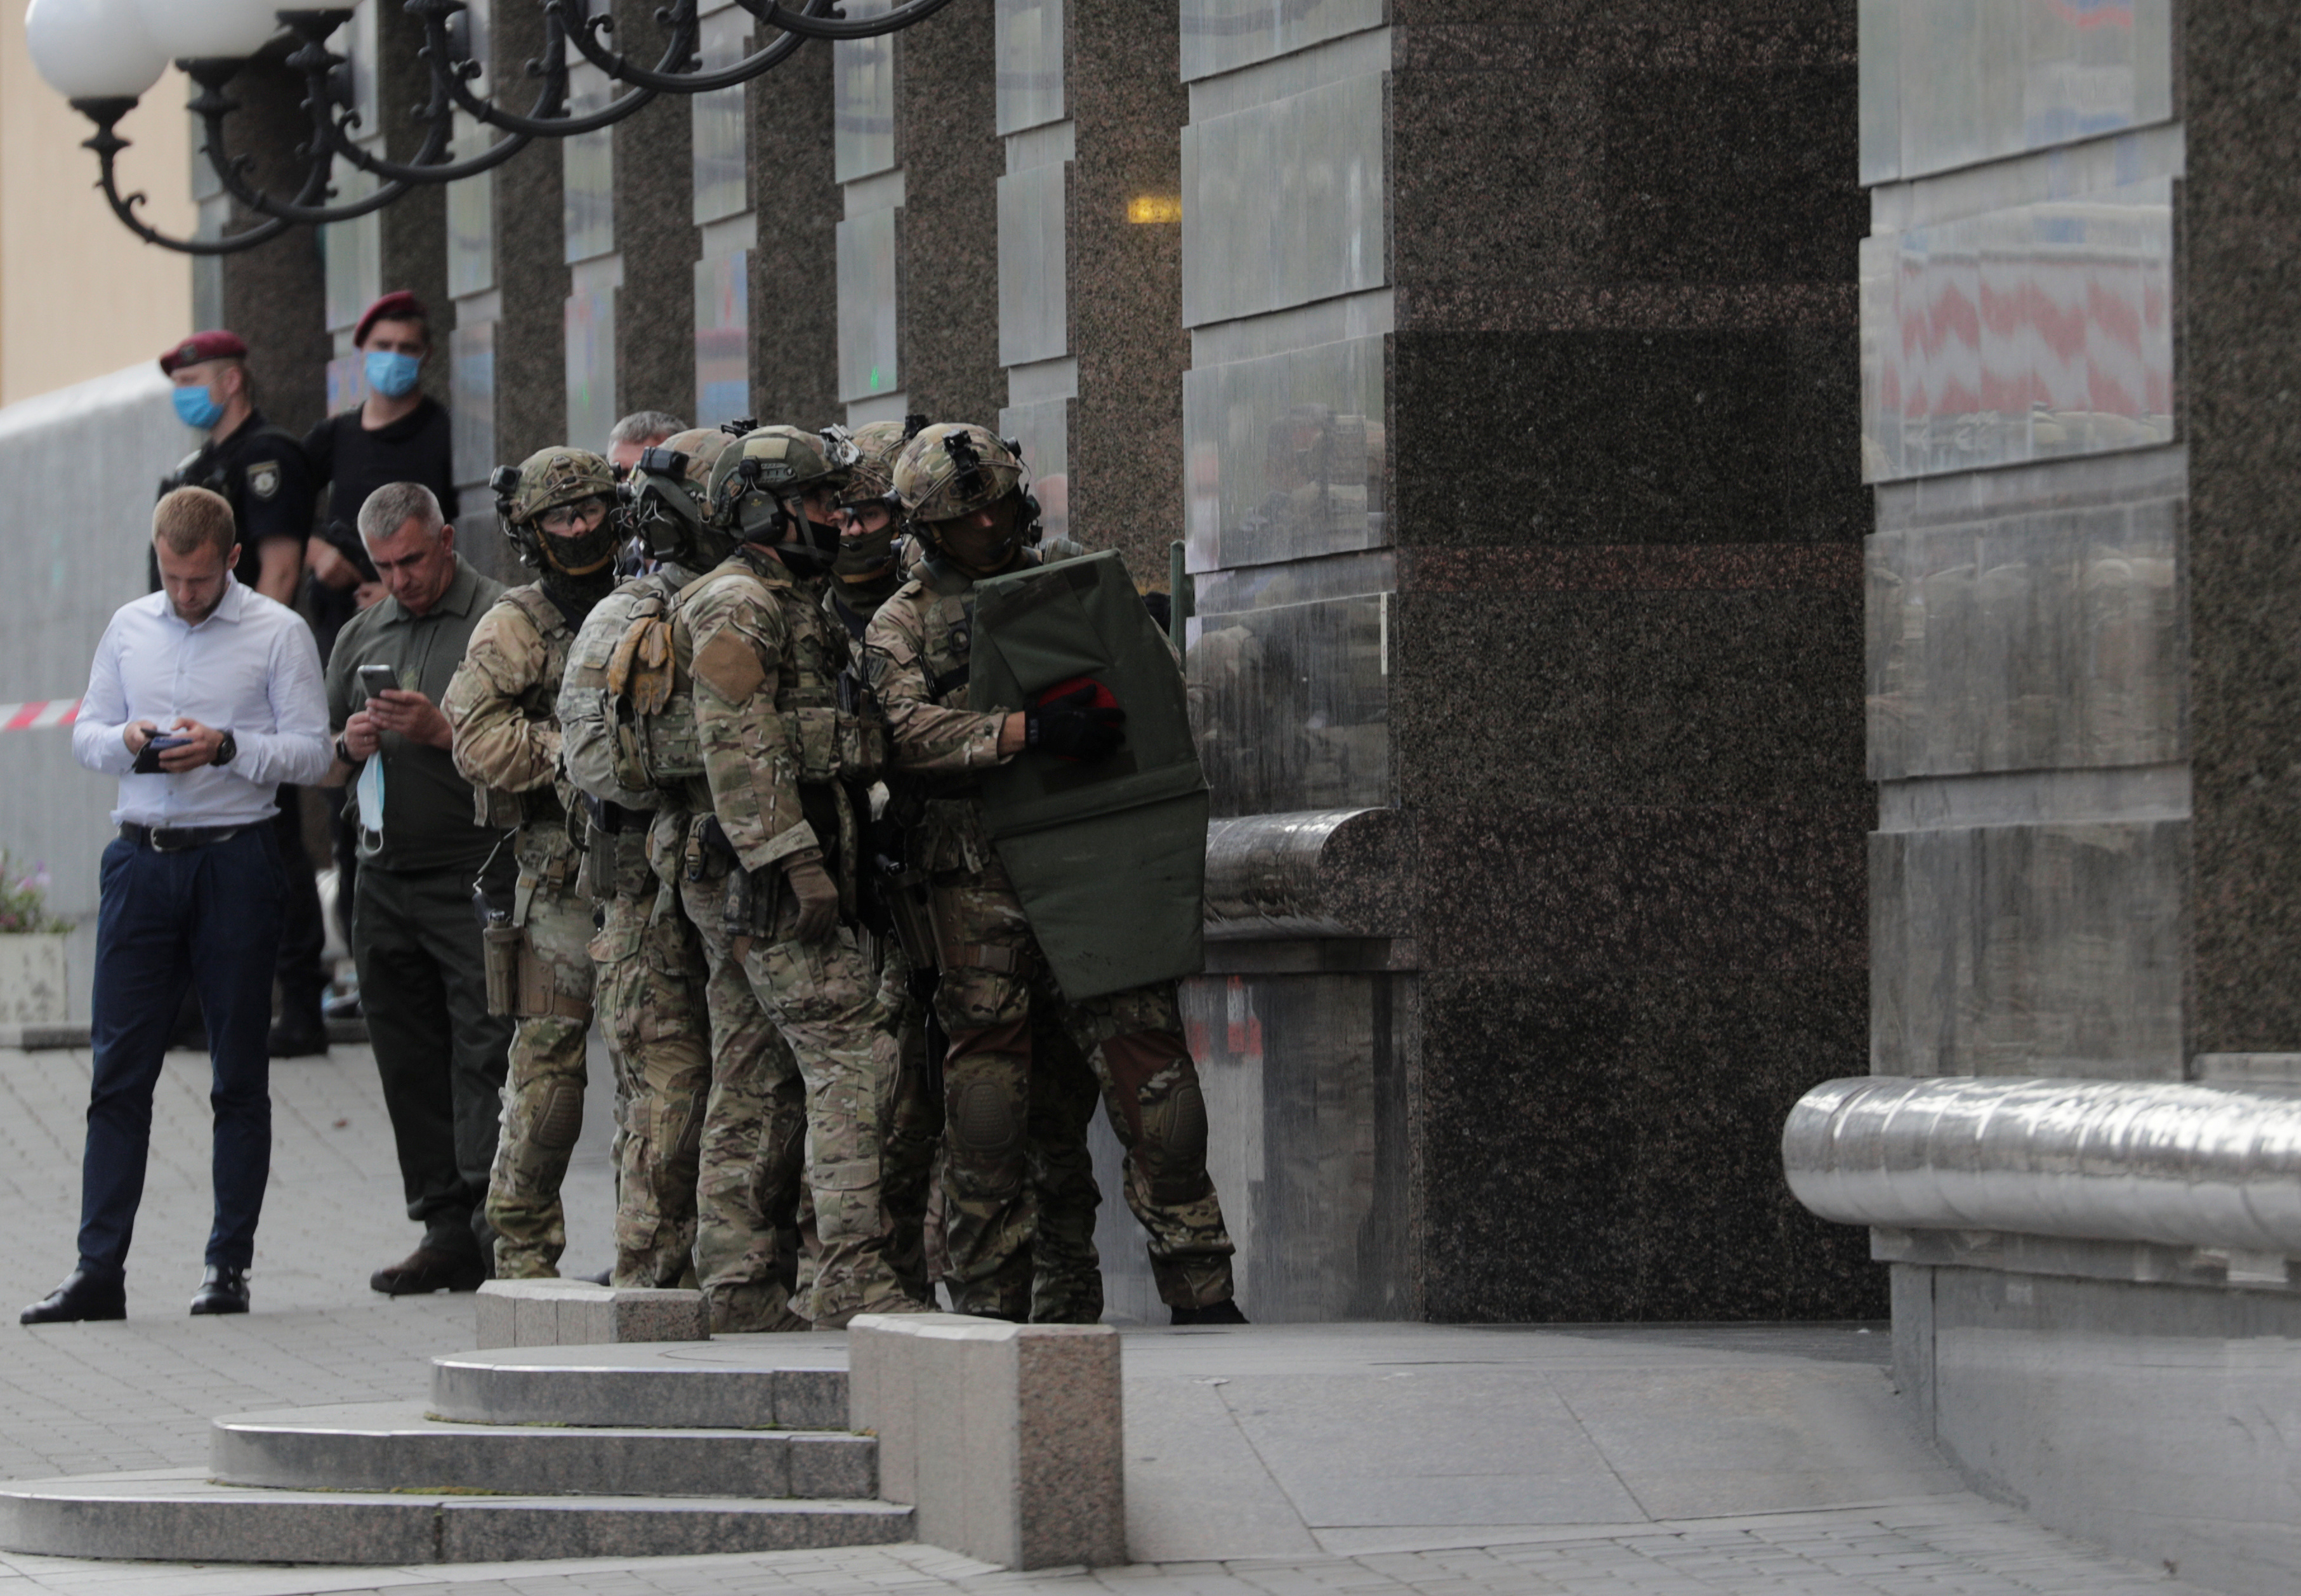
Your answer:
<point x="181" y="1515"/>
<point x="730" y="1382"/>
<point x="656" y="1448"/>
<point x="397" y="1447"/>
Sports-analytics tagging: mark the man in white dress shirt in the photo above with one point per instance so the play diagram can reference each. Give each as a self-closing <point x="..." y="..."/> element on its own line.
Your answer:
<point x="204" y="697"/>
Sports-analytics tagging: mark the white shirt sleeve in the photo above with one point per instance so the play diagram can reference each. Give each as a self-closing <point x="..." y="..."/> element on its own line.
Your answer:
<point x="300" y="750"/>
<point x="104" y="711"/>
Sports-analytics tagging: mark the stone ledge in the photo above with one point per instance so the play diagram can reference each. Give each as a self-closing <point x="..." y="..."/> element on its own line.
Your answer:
<point x="575" y="1313"/>
<point x="43" y="1038"/>
<point x="1008" y="1438"/>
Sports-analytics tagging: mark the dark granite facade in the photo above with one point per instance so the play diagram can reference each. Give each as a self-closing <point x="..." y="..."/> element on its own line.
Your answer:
<point x="1125" y="279"/>
<point x="2243" y="337"/>
<point x="276" y="296"/>
<point x="794" y="290"/>
<point x="655" y="233"/>
<point x="1625" y="708"/>
<point x="415" y="227"/>
<point x="947" y="276"/>
<point x="530" y="274"/>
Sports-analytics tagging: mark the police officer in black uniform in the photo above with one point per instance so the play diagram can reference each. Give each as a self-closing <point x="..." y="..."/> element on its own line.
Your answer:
<point x="261" y="471"/>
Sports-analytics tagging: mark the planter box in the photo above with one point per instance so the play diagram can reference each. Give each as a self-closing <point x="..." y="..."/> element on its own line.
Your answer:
<point x="32" y="979"/>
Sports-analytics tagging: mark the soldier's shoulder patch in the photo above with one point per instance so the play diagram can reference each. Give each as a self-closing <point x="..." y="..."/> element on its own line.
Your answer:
<point x="729" y="667"/>
<point x="264" y="478"/>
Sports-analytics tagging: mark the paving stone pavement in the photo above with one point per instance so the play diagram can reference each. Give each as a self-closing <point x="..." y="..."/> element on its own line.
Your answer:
<point x="141" y="1394"/>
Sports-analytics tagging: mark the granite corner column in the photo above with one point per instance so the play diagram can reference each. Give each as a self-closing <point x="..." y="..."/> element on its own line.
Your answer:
<point x="655" y="240"/>
<point x="532" y="276"/>
<point x="1626" y="653"/>
<point x="793" y="326"/>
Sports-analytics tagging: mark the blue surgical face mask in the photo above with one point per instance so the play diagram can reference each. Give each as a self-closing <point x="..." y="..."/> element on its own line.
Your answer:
<point x="390" y="373"/>
<point x="198" y="407"/>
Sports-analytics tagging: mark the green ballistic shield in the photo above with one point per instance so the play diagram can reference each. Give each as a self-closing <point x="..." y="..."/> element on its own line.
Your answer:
<point x="1109" y="859"/>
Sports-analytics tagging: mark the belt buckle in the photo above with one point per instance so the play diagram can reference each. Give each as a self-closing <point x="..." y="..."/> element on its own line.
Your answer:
<point x="153" y="834"/>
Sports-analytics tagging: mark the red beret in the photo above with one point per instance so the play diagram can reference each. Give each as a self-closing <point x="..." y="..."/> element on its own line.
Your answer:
<point x="398" y="305"/>
<point x="217" y="345"/>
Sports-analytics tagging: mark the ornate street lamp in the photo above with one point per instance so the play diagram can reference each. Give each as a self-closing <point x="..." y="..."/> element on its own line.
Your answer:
<point x="105" y="55"/>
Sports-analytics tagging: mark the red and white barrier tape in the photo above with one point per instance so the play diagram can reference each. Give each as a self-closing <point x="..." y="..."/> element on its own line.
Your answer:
<point x="39" y="712"/>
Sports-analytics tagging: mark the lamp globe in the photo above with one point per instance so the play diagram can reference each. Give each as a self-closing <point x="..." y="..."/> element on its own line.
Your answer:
<point x="92" y="49"/>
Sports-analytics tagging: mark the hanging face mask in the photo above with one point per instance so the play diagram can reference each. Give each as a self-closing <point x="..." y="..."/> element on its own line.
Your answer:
<point x="198" y="407"/>
<point x="392" y="373"/>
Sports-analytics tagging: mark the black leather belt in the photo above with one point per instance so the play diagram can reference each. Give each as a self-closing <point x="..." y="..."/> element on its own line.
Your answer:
<point x="175" y="839"/>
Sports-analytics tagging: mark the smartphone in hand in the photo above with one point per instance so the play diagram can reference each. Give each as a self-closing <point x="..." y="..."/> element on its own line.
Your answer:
<point x="147" y="757"/>
<point x="379" y="680"/>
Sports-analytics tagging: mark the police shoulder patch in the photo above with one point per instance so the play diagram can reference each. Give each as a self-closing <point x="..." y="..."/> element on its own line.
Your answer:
<point x="264" y="478"/>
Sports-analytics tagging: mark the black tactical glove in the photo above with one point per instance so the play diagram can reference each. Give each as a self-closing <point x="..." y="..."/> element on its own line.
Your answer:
<point x="817" y="894"/>
<point x="1069" y="728"/>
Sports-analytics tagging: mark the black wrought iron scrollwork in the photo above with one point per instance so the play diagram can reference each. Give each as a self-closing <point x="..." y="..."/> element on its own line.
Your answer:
<point x="572" y="33"/>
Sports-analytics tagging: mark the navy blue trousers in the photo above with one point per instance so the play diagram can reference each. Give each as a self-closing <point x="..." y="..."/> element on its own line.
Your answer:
<point x="208" y="918"/>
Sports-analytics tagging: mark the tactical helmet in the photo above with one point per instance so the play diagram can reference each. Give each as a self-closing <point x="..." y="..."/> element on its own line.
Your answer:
<point x="876" y="444"/>
<point x="549" y="478"/>
<point x="666" y="497"/>
<point x="757" y="485"/>
<point x="953" y="468"/>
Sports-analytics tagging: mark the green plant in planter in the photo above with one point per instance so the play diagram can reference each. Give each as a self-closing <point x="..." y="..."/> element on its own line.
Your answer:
<point x="24" y="901"/>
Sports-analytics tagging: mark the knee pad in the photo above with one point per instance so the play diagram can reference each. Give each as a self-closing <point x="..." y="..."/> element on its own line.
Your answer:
<point x="984" y="1125"/>
<point x="1175" y="1144"/>
<point x="560" y="1122"/>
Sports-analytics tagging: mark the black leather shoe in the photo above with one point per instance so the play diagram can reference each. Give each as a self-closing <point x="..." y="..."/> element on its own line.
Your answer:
<point x="296" y="1042"/>
<point x="428" y="1269"/>
<point x="82" y="1296"/>
<point x="224" y="1289"/>
<point x="1225" y="1312"/>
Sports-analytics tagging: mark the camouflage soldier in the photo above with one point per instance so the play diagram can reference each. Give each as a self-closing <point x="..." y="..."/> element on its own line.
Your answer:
<point x="649" y="965"/>
<point x="865" y="574"/>
<point x="1018" y="1086"/>
<point x="767" y="877"/>
<point x="503" y="707"/>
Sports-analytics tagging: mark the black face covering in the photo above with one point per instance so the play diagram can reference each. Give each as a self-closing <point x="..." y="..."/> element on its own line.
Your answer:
<point x="812" y="548"/>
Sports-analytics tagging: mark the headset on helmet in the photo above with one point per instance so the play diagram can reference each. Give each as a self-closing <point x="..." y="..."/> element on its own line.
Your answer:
<point x="549" y="478"/>
<point x="666" y="499"/>
<point x="758" y="484"/>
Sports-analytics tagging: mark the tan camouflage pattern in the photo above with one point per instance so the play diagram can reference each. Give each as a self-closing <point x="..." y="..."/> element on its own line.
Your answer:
<point x="933" y="487"/>
<point x="759" y="647"/>
<point x="754" y="643"/>
<point x="543" y="1089"/>
<point x="650" y="975"/>
<point x="1016" y="1190"/>
<point x="501" y="707"/>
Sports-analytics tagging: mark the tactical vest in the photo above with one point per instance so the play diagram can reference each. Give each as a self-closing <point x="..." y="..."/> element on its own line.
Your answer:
<point x="836" y="731"/>
<point x="541" y="813"/>
<point x="946" y="608"/>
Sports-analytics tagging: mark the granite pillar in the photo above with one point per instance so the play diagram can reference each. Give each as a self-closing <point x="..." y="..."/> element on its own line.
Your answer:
<point x="794" y="287"/>
<point x="412" y="234"/>
<point x="654" y="234"/>
<point x="274" y="295"/>
<point x="947" y="266"/>
<point x="2241" y="336"/>
<point x="530" y="356"/>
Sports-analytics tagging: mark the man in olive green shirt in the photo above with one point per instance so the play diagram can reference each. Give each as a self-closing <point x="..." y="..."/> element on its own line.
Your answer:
<point x="415" y="936"/>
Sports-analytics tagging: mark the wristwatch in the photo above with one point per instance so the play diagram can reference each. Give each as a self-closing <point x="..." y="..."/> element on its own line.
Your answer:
<point x="226" y="750"/>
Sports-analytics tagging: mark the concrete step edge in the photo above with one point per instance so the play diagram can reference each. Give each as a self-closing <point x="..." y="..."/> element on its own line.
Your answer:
<point x="603" y="1392"/>
<point x="395" y="1447"/>
<point x="178" y="1516"/>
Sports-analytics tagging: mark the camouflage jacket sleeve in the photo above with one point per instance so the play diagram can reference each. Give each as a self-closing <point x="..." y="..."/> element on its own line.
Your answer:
<point x="926" y="737"/>
<point x="587" y="752"/>
<point x="739" y="636"/>
<point x="497" y="746"/>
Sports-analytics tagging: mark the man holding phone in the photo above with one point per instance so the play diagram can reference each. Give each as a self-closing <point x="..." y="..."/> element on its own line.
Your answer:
<point x="203" y="698"/>
<point x="415" y="936"/>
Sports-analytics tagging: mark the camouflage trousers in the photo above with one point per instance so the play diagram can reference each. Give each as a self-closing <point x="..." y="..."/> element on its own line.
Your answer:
<point x="543" y="1091"/>
<point x="1024" y="1070"/>
<point x="790" y="1015"/>
<point x="914" y="1127"/>
<point x="651" y="975"/>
